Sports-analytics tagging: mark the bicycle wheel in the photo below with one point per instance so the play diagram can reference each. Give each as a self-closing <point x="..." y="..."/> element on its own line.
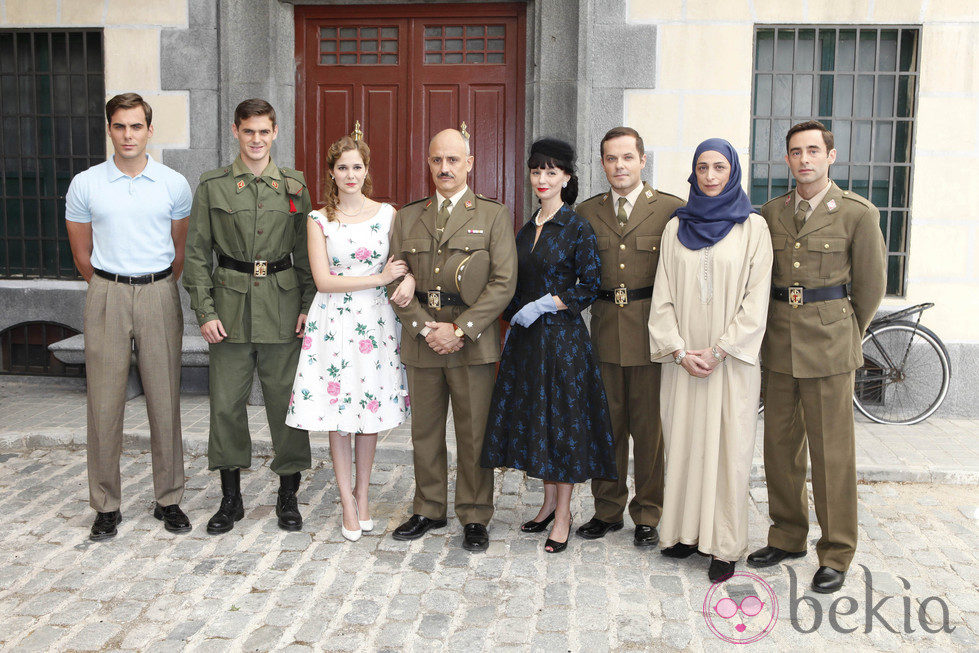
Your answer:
<point x="905" y="375"/>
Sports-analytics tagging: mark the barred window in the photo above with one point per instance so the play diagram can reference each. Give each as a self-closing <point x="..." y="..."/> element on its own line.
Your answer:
<point x="24" y="350"/>
<point x="52" y="126"/>
<point x="862" y="83"/>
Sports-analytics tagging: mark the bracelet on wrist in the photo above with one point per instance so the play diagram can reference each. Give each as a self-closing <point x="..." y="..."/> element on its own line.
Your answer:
<point x="717" y="354"/>
<point x="679" y="357"/>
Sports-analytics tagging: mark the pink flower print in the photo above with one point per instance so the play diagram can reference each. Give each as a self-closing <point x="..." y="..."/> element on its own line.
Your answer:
<point x="333" y="401"/>
<point x="407" y="401"/>
<point x="292" y="398"/>
<point x="366" y="346"/>
<point x="307" y="342"/>
<point x="333" y="388"/>
<point x="362" y="254"/>
<point x="373" y="405"/>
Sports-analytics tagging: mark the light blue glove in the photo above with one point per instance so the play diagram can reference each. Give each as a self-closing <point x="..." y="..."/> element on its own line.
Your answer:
<point x="533" y="310"/>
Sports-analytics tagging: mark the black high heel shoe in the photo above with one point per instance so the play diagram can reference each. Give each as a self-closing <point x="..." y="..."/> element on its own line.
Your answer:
<point x="558" y="547"/>
<point x="537" y="526"/>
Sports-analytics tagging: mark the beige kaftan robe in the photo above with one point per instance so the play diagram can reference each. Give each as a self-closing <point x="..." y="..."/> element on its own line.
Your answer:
<point x="714" y="296"/>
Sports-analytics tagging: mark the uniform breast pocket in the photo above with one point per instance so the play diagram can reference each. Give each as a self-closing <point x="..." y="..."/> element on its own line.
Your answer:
<point x="779" y="243"/>
<point x="648" y="247"/>
<point x="829" y="254"/>
<point x="418" y="253"/>
<point x="467" y="242"/>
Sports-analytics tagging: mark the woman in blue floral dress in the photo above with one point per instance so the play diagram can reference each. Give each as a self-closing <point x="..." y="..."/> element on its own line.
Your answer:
<point x="350" y="378"/>
<point x="549" y="415"/>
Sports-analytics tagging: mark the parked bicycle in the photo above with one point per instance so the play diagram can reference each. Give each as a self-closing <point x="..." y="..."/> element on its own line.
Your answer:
<point x="906" y="370"/>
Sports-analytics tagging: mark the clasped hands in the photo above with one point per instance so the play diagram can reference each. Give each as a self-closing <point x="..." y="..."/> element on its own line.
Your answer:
<point x="442" y="338"/>
<point x="700" y="362"/>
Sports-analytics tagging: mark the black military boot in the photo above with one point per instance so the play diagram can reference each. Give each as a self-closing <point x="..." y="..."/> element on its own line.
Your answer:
<point x="232" y="507"/>
<point x="287" y="506"/>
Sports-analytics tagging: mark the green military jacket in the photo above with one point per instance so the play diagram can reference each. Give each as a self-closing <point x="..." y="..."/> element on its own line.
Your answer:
<point x="476" y="223"/>
<point x="840" y="243"/>
<point x="249" y="218"/>
<point x="630" y="253"/>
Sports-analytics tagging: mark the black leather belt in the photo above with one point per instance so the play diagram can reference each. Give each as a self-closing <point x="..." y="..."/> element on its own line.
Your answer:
<point x="797" y="295"/>
<point x="134" y="281"/>
<point x="437" y="299"/>
<point x="622" y="296"/>
<point x="256" y="268"/>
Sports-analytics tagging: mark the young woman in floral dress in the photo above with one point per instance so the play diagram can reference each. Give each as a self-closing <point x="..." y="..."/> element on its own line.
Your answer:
<point x="350" y="379"/>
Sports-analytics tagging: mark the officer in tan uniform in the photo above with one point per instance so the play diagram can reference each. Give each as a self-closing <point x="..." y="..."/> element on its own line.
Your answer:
<point x="251" y="307"/>
<point x="825" y="239"/>
<point x="628" y="221"/>
<point x="450" y="340"/>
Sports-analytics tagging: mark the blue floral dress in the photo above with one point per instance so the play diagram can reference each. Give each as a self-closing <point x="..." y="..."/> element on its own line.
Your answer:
<point x="549" y="415"/>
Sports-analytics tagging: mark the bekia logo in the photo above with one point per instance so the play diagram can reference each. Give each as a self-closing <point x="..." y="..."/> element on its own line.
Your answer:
<point x="742" y="609"/>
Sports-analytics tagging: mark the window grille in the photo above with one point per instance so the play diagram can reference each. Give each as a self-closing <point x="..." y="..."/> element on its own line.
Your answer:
<point x="52" y="102"/>
<point x="24" y="350"/>
<point x="862" y="83"/>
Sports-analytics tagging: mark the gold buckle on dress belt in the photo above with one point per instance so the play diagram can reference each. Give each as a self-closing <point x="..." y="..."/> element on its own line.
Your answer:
<point x="435" y="299"/>
<point x="261" y="269"/>
<point x="621" y="296"/>
<point x="795" y="296"/>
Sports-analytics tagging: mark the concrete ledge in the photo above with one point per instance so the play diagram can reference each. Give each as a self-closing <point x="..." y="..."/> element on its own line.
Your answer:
<point x="139" y="441"/>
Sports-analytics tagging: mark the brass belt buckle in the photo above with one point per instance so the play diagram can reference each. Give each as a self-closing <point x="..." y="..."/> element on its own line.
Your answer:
<point x="621" y="296"/>
<point x="435" y="299"/>
<point x="795" y="296"/>
<point x="260" y="269"/>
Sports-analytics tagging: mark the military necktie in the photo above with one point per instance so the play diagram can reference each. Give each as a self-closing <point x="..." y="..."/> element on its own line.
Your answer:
<point x="621" y="215"/>
<point x="442" y="217"/>
<point x="800" y="215"/>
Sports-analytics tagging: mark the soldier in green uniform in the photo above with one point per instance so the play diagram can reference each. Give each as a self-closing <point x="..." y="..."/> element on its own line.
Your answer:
<point x="251" y="216"/>
<point x="829" y="279"/>
<point x="450" y="338"/>
<point x="628" y="221"/>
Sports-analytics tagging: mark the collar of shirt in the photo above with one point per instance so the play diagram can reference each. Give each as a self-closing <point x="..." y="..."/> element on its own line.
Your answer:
<point x="454" y="200"/>
<point x="630" y="199"/>
<point x="813" y="201"/>
<point x="238" y="169"/>
<point x="150" y="170"/>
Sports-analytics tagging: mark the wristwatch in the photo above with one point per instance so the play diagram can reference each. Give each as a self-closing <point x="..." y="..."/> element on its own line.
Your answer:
<point x="679" y="357"/>
<point x="458" y="332"/>
<point x="717" y="354"/>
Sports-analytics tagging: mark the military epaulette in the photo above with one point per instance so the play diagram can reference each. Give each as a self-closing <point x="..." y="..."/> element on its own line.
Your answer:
<point x="665" y="194"/>
<point x="486" y="199"/>
<point x="215" y="174"/>
<point x="295" y="181"/>
<point x="416" y="202"/>
<point x="850" y="195"/>
<point x="594" y="197"/>
<point x="781" y="199"/>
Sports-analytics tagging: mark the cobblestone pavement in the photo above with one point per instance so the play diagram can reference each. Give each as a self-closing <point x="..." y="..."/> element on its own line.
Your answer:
<point x="259" y="588"/>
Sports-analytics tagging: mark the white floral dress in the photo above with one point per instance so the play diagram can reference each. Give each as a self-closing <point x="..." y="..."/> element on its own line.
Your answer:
<point x="350" y="377"/>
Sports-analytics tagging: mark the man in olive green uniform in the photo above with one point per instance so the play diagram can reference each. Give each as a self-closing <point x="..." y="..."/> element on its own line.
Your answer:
<point x="252" y="306"/>
<point x="628" y="221"/>
<point x="448" y="347"/>
<point x="824" y="238"/>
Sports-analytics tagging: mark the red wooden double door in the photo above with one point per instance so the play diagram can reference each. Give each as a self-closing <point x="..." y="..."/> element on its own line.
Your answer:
<point x="406" y="72"/>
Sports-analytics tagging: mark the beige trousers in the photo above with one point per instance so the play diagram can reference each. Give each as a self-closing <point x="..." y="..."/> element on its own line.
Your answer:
<point x="116" y="315"/>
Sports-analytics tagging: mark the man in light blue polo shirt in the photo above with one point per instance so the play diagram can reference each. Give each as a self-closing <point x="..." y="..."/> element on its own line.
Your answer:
<point x="127" y="225"/>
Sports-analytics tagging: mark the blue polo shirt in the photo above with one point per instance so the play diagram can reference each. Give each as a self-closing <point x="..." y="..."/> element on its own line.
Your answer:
<point x="130" y="216"/>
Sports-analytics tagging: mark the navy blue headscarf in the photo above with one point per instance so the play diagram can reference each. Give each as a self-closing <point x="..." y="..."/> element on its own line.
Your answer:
<point x="705" y="220"/>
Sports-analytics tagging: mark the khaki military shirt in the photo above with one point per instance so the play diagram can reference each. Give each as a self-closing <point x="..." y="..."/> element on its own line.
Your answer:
<point x="840" y="243"/>
<point x="629" y="254"/>
<point x="249" y="218"/>
<point x="475" y="223"/>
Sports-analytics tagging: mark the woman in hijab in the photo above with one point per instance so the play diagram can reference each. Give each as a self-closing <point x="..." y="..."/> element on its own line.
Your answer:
<point x="710" y="305"/>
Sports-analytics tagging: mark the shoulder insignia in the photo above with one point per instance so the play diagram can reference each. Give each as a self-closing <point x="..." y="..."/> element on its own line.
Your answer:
<point x="214" y="174"/>
<point x="649" y="193"/>
<point x="670" y="195"/>
<point x="275" y="184"/>
<point x="831" y="205"/>
<point x="240" y="184"/>
<point x="785" y="198"/>
<point x="419" y="201"/>
<point x="856" y="197"/>
<point x="486" y="199"/>
<point x="469" y="204"/>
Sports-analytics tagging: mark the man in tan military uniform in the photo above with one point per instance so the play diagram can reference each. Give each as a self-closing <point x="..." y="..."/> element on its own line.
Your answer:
<point x="823" y="238"/>
<point x="450" y="348"/>
<point x="252" y="307"/>
<point x="628" y="221"/>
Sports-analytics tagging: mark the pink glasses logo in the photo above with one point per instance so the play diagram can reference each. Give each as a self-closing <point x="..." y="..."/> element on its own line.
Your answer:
<point x="741" y="610"/>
